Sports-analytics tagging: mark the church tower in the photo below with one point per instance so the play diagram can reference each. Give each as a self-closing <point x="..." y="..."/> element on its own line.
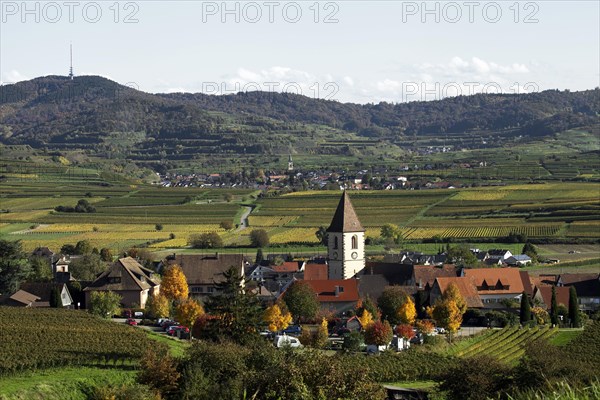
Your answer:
<point x="290" y="164"/>
<point x="346" y="242"/>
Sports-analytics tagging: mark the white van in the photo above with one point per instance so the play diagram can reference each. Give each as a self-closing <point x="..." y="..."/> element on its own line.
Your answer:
<point x="284" y="340"/>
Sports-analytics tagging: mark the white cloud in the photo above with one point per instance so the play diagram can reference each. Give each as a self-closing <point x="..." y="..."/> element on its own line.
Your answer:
<point x="12" y="76"/>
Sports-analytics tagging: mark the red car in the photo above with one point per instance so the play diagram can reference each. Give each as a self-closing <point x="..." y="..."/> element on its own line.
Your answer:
<point x="173" y="330"/>
<point x="131" y="322"/>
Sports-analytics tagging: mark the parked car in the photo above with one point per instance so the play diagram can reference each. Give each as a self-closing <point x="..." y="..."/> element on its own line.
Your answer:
<point x="138" y="314"/>
<point x="131" y="321"/>
<point x="285" y="340"/>
<point x="174" y="329"/>
<point x="374" y="349"/>
<point x="292" y="330"/>
<point x="127" y="313"/>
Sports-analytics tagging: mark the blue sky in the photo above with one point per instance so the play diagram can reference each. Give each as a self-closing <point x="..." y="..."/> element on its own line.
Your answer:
<point x="354" y="51"/>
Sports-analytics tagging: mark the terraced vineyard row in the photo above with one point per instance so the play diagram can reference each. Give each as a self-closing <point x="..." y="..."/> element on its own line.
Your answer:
<point x="507" y="344"/>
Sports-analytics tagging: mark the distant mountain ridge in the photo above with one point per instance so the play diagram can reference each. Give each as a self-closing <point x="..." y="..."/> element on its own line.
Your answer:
<point x="55" y="110"/>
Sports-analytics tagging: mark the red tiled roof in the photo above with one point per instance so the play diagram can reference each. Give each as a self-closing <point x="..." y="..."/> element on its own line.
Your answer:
<point x="426" y="274"/>
<point x="465" y="286"/>
<point x="562" y="295"/>
<point x="510" y="278"/>
<point x="288" y="266"/>
<point x="347" y="290"/>
<point x="315" y="272"/>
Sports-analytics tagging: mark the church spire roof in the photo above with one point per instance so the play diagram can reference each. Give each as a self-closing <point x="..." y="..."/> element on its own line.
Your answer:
<point x="345" y="218"/>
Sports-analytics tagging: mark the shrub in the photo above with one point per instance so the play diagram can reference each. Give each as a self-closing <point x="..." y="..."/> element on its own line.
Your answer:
<point x="259" y="238"/>
<point x="353" y="342"/>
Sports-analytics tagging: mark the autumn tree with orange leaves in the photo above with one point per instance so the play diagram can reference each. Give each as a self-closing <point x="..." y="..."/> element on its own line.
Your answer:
<point x="449" y="309"/>
<point x="174" y="284"/>
<point x="407" y="313"/>
<point x="188" y="311"/>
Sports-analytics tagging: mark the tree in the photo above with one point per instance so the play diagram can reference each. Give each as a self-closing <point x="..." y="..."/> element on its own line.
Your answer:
<point x="259" y="256"/>
<point x="322" y="336"/>
<point x="574" y="308"/>
<point x="228" y="197"/>
<point x="83" y="247"/>
<point x="158" y="370"/>
<point x="158" y="227"/>
<point x="187" y="312"/>
<point x="425" y="326"/>
<point x="541" y="316"/>
<point x="525" y="313"/>
<point x="379" y="333"/>
<point x="553" y="308"/>
<point x="389" y="231"/>
<point x="405" y="331"/>
<point x="369" y="305"/>
<point x="227" y="225"/>
<point x="276" y="318"/>
<point x="174" y="284"/>
<point x="407" y="312"/>
<point x="206" y="241"/>
<point x="55" y="299"/>
<point x="531" y="251"/>
<point x="105" y="304"/>
<point x="322" y="235"/>
<point x="301" y="300"/>
<point x="106" y="254"/>
<point x="68" y="249"/>
<point x="237" y="312"/>
<point x="259" y="238"/>
<point x="365" y="319"/>
<point x="87" y="267"/>
<point x="449" y="309"/>
<point x="160" y="306"/>
<point x="389" y="303"/>
<point x="41" y="269"/>
<point x="461" y="254"/>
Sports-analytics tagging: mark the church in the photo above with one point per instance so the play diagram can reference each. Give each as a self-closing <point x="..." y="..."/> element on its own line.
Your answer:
<point x="346" y="242"/>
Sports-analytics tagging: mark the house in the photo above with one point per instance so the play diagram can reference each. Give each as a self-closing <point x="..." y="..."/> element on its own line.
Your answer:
<point x="315" y="271"/>
<point x="21" y="298"/>
<point x="287" y="271"/>
<point x="519" y="260"/>
<point x="465" y="285"/>
<point x="394" y="273"/>
<point x="496" y="284"/>
<point x="587" y="287"/>
<point x="127" y="278"/>
<point x="424" y="275"/>
<point x="338" y="295"/>
<point x="543" y="296"/>
<point x="44" y="291"/>
<point x="499" y="254"/>
<point x="204" y="271"/>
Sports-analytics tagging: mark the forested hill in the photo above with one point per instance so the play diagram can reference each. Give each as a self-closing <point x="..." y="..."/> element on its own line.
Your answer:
<point x="56" y="110"/>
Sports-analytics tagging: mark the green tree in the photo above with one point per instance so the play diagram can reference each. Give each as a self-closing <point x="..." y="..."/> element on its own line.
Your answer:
<point x="259" y="256"/>
<point x="228" y="197"/>
<point x="525" y="314"/>
<point x="227" y="225"/>
<point x="461" y="254"/>
<point x="105" y="304"/>
<point x="390" y="301"/>
<point x="530" y="250"/>
<point x="301" y="300"/>
<point x="87" y="267"/>
<point x="83" y="247"/>
<point x="322" y="235"/>
<point x="158" y="227"/>
<point x="106" y="254"/>
<point x="259" y="238"/>
<point x="237" y="312"/>
<point x="209" y="240"/>
<point x="55" y="299"/>
<point x="553" y="308"/>
<point x="41" y="269"/>
<point x="389" y="231"/>
<point x="574" y="308"/>
<point x="14" y="266"/>
<point x="68" y="249"/>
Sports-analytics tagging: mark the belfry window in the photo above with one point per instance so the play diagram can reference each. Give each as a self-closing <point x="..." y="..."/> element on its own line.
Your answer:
<point x="354" y="242"/>
<point x="335" y="242"/>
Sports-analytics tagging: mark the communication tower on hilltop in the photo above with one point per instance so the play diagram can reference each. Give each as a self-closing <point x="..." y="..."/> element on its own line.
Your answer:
<point x="71" y="68"/>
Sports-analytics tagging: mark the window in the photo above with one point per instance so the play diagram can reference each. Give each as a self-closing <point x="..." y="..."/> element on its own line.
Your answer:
<point x="355" y="242"/>
<point x="114" y="279"/>
<point x="210" y="289"/>
<point x="335" y="242"/>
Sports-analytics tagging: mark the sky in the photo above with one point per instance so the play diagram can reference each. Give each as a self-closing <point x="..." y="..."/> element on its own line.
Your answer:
<point x="349" y="51"/>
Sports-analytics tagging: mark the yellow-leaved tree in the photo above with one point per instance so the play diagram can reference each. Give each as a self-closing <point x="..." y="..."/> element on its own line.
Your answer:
<point x="449" y="309"/>
<point x="174" y="285"/>
<point x="276" y="318"/>
<point x="188" y="311"/>
<point x="407" y="313"/>
<point x="161" y="306"/>
<point x="365" y="319"/>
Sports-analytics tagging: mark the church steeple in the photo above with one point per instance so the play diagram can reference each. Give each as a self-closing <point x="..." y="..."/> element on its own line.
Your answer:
<point x="345" y="218"/>
<point x="346" y="241"/>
